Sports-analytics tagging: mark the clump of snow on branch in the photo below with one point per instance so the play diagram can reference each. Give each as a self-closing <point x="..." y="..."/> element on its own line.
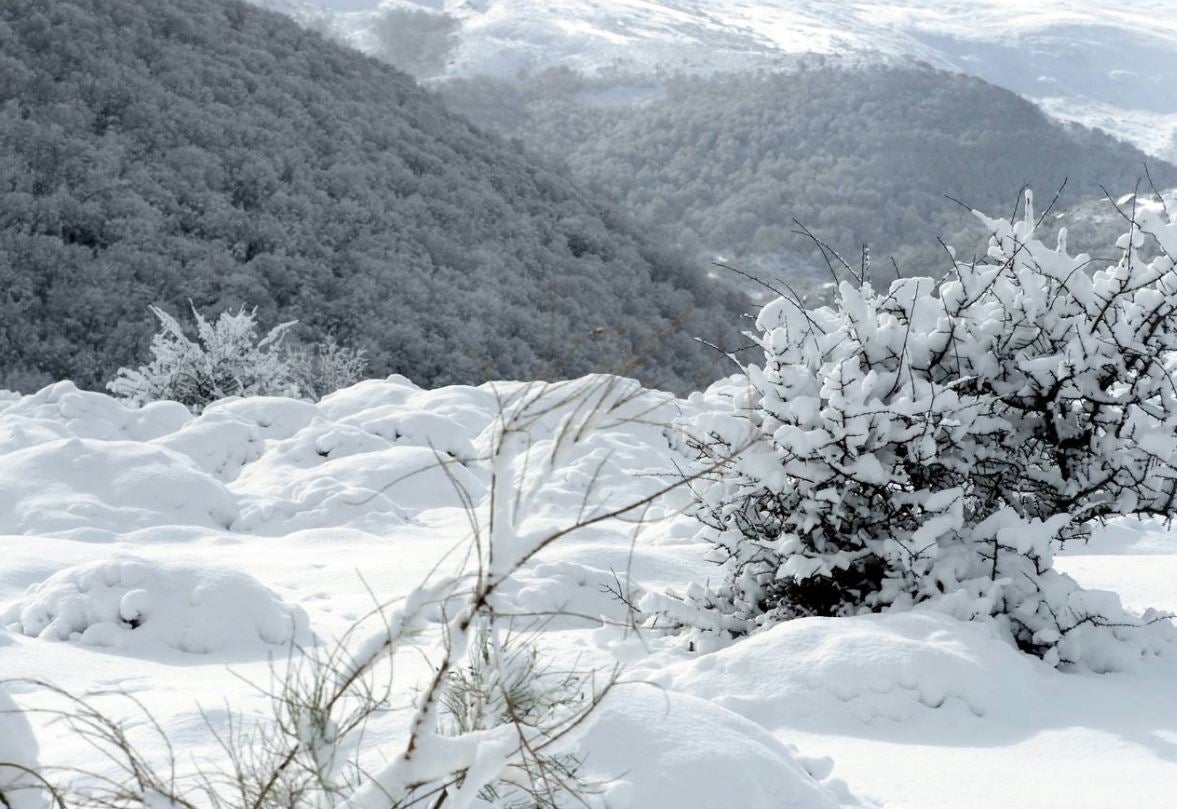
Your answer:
<point x="934" y="443"/>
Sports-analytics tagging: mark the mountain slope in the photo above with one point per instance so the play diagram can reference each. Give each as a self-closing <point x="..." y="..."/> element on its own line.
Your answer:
<point x="859" y="155"/>
<point x="167" y="150"/>
<point x="1111" y="63"/>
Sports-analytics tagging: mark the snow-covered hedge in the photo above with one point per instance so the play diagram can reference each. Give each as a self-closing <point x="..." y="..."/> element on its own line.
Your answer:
<point x="934" y="442"/>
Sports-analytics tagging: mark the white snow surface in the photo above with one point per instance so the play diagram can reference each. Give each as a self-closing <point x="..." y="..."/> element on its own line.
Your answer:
<point x="18" y="754"/>
<point x="134" y="606"/>
<point x="174" y="557"/>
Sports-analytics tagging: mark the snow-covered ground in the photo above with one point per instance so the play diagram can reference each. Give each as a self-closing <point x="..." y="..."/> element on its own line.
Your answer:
<point x="172" y="557"/>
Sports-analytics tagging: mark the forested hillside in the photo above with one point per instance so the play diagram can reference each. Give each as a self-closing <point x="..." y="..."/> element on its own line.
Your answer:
<point x="161" y="151"/>
<point x="859" y="154"/>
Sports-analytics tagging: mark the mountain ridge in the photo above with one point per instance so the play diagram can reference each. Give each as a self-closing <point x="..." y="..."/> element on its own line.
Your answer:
<point x="1079" y="61"/>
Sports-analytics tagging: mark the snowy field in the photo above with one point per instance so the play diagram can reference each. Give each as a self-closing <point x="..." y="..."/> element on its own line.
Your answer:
<point x="172" y="557"/>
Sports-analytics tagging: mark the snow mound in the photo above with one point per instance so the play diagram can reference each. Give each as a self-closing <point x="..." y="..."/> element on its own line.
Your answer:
<point x="19" y="432"/>
<point x="131" y="605"/>
<point x="372" y="455"/>
<point x="888" y="667"/>
<point x="218" y="442"/>
<point x="112" y="486"/>
<point x="365" y="395"/>
<point x="86" y="414"/>
<point x="572" y="594"/>
<point x="657" y="749"/>
<point x="402" y="481"/>
<point x="274" y="417"/>
<point x="447" y="420"/>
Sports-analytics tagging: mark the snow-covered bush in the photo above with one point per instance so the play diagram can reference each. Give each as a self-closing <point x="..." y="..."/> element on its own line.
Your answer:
<point x="226" y="359"/>
<point x="229" y="358"/>
<point x="504" y="682"/>
<point x="326" y="367"/>
<point x="935" y="441"/>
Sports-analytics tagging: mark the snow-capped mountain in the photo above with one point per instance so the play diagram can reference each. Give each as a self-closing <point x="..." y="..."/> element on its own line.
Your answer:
<point x="1111" y="64"/>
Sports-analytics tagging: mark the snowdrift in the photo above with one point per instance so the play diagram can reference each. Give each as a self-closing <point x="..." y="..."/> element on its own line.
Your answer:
<point x="129" y="604"/>
<point x="18" y="751"/>
<point x="708" y="742"/>
<point x="818" y="671"/>
<point x="147" y="549"/>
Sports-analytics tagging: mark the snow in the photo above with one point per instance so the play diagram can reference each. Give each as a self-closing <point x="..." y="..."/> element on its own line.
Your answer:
<point x="176" y="557"/>
<point x="134" y="606"/>
<point x="862" y="670"/>
<point x="19" y="754"/>
<point x="107" y="486"/>
<point x="716" y="758"/>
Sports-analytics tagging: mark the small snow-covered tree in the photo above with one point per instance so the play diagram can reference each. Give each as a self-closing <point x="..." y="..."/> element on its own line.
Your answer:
<point x="934" y="442"/>
<point x="227" y="358"/>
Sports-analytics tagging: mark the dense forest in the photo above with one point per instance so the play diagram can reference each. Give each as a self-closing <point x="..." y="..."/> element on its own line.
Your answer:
<point x="168" y="151"/>
<point x="859" y="154"/>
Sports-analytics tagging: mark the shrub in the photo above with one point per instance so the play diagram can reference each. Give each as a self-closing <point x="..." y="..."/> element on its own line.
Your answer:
<point x="226" y="359"/>
<point x="502" y="683"/>
<point x="326" y="367"/>
<point x="936" y="441"/>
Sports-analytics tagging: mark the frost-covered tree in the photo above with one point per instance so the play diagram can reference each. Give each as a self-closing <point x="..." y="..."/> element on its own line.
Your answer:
<point x="227" y="358"/>
<point x="936" y="441"/>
